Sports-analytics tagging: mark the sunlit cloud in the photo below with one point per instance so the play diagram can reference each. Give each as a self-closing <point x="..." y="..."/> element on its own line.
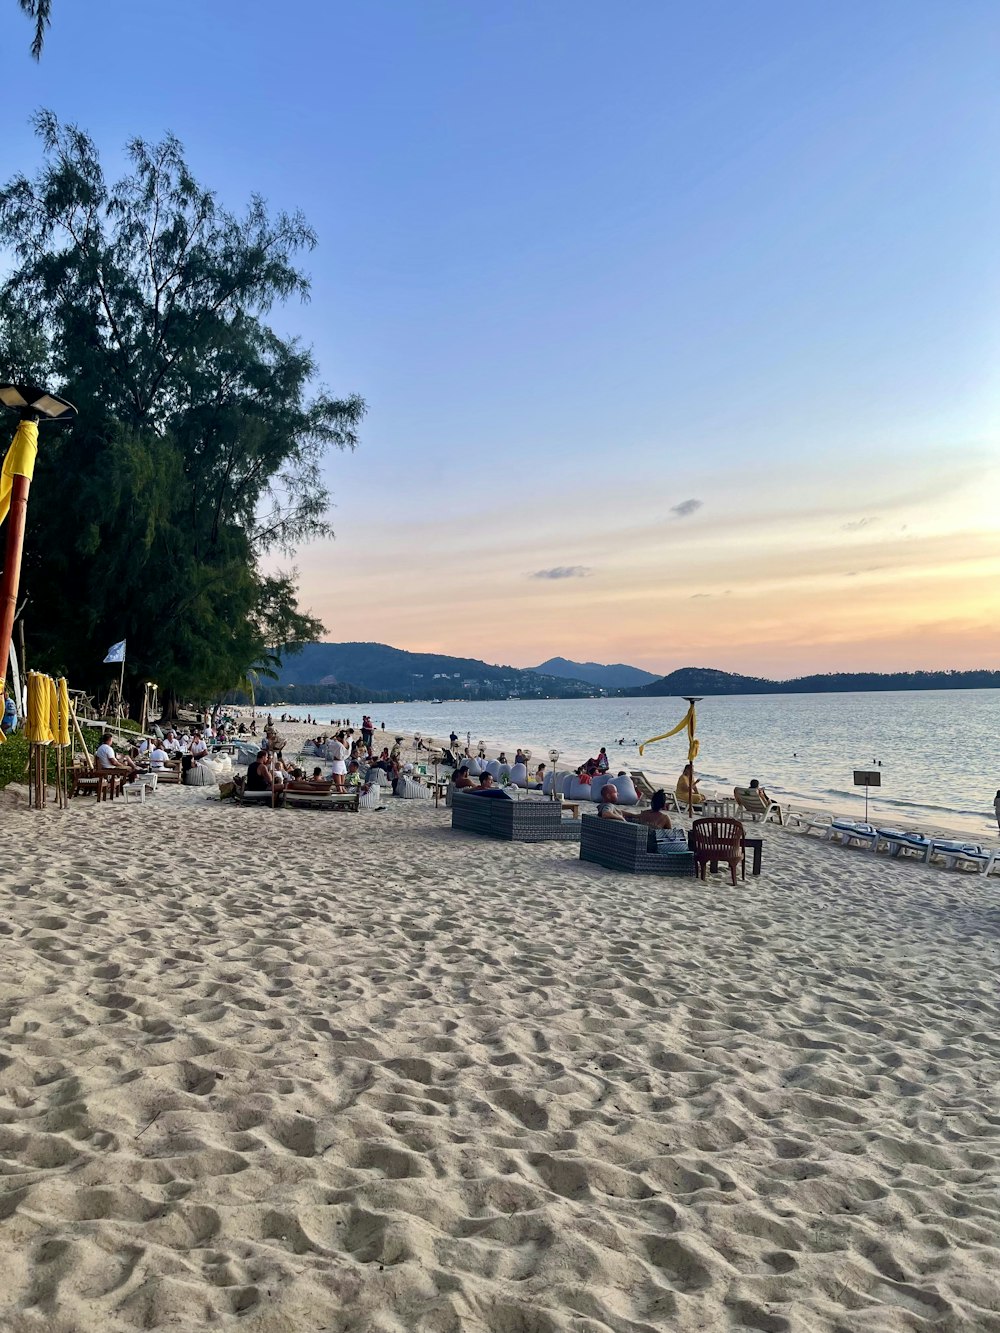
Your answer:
<point x="686" y="508"/>
<point x="562" y="572"/>
<point x="858" y="523"/>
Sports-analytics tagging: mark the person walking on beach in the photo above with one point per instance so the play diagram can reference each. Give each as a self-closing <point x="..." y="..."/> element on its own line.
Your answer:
<point x="996" y="808"/>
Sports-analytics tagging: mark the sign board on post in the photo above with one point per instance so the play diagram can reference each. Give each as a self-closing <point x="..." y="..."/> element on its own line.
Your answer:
<point x="867" y="777"/>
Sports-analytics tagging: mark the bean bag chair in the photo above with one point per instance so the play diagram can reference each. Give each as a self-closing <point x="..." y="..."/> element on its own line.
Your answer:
<point x="200" y="775"/>
<point x="409" y="790"/>
<point x="473" y="765"/>
<point x="627" y="794"/>
<point x="492" y="766"/>
<point x="519" y="775"/>
<point x="575" y="790"/>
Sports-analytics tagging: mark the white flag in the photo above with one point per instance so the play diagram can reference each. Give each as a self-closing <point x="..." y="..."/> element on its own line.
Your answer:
<point x="116" y="653"/>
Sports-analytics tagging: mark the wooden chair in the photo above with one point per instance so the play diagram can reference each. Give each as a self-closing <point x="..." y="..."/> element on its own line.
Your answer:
<point x="713" y="840"/>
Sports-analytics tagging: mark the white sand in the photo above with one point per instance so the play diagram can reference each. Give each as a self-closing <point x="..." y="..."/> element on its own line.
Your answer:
<point x="301" y="1070"/>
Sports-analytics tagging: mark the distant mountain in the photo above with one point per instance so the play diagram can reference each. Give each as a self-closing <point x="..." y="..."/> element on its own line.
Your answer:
<point x="618" y="676"/>
<point x="397" y="674"/>
<point x="706" y="680"/>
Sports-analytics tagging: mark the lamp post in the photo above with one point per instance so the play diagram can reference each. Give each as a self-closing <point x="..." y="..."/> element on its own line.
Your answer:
<point x="553" y="760"/>
<point x="33" y="405"/>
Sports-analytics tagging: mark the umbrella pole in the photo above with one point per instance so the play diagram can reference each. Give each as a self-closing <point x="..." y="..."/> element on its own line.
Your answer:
<point x="12" y="561"/>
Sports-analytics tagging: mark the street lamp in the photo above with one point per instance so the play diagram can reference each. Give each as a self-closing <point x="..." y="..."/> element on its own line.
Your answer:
<point x="33" y="405"/>
<point x="553" y="760"/>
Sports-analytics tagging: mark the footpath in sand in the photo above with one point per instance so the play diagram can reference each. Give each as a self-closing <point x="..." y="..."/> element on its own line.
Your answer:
<point x="294" y="1070"/>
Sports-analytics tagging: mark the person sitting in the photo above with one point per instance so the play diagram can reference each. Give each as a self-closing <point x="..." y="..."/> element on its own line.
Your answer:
<point x="687" y="788"/>
<point x="461" y="780"/>
<point x="486" y="788"/>
<point x="608" y="805"/>
<point x="656" y="816"/>
<point x="520" y="757"/>
<point x="584" y="777"/>
<point x="755" y="788"/>
<point x="603" y="762"/>
<point x="502" y="757"/>
<point x="539" y="776"/>
<point x="259" y="774"/>
<point x="317" y="783"/>
<point x="108" y="761"/>
<point x="157" y="758"/>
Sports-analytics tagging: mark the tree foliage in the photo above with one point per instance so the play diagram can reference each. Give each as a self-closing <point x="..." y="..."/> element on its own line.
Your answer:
<point x="199" y="444"/>
<point x="41" y="12"/>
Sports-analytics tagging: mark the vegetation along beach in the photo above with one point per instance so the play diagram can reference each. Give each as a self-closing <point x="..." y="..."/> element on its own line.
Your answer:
<point x="498" y="754"/>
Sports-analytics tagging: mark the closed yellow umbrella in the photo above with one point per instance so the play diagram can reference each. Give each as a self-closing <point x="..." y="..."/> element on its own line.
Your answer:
<point x="53" y="693"/>
<point x="64" y="738"/>
<point x="37" y="719"/>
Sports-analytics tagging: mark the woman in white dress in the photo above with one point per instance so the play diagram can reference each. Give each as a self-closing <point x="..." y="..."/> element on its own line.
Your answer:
<point x="339" y="753"/>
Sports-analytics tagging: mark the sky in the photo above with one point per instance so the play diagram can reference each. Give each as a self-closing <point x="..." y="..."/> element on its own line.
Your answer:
<point x="678" y="323"/>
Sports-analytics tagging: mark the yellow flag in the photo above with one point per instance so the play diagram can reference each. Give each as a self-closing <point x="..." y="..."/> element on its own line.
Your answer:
<point x="19" y="462"/>
<point x="686" y="721"/>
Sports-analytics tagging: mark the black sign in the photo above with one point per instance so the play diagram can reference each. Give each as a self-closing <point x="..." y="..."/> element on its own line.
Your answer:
<point x="867" y="777"/>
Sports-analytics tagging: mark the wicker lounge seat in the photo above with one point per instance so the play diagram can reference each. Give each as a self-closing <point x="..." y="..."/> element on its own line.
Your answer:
<point x="512" y="821"/>
<point x="624" y="846"/>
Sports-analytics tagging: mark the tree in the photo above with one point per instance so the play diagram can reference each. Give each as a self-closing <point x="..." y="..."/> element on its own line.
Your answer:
<point x="199" y="442"/>
<point x="41" y="12"/>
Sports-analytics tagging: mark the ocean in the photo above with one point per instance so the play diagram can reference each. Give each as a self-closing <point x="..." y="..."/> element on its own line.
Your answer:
<point x="935" y="750"/>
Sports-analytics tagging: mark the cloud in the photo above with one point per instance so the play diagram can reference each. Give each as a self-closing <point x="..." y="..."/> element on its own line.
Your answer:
<point x="686" y="508"/>
<point x="858" y="523"/>
<point x="695" y="595"/>
<point x="562" y="572"/>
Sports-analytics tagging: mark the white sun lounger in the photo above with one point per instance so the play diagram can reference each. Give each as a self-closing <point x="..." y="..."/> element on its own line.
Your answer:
<point x="847" y="831"/>
<point x="898" y="842"/>
<point x="968" y="853"/>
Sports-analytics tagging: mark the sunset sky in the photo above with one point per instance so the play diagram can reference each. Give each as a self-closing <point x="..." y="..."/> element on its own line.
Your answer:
<point x="678" y="323"/>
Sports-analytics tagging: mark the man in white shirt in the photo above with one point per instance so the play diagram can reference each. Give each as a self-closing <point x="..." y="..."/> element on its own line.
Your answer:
<point x="198" y="748"/>
<point x="157" y="759"/>
<point x="170" y="743"/>
<point x="108" y="761"/>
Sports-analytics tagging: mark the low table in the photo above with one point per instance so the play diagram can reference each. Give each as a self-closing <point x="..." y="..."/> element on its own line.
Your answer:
<point x="572" y="806"/>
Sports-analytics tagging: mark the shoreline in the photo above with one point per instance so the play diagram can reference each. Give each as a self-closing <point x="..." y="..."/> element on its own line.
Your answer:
<point x="970" y="829"/>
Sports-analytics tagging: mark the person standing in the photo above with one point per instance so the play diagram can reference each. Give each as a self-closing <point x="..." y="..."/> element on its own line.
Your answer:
<point x="339" y="754"/>
<point x="366" y="730"/>
<point x="996" y="808"/>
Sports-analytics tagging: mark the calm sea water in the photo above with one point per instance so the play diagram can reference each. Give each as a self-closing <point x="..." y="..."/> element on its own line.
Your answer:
<point x="937" y="748"/>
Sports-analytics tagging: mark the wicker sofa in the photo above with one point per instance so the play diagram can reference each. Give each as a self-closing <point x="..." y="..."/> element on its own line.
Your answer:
<point x="513" y="821"/>
<point x="624" y="846"/>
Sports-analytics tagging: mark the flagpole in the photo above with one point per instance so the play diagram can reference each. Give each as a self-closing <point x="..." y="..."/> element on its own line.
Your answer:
<point x="121" y="686"/>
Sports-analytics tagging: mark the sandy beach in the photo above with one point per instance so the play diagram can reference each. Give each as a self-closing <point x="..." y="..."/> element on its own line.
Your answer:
<point x="301" y="1070"/>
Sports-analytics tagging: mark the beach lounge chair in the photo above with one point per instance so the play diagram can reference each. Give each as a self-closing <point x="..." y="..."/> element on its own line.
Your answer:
<point x="810" y="823"/>
<point x="750" y="800"/>
<point x="954" y="853"/>
<point x="847" y="831"/>
<point x="899" y="842"/>
<point x="713" y="840"/>
<point x="645" y="788"/>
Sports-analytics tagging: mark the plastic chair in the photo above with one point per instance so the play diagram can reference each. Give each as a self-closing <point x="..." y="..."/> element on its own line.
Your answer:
<point x="714" y="840"/>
